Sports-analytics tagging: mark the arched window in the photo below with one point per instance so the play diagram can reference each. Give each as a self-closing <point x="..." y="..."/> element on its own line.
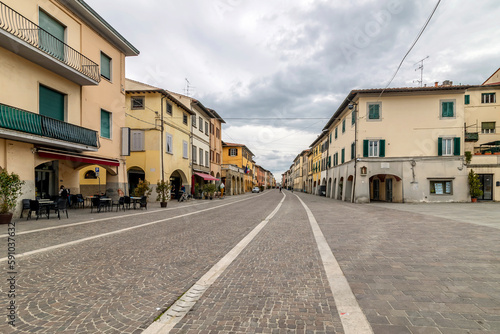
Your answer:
<point x="90" y="174"/>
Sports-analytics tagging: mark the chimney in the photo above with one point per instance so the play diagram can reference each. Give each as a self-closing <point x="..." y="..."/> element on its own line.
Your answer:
<point x="447" y="83"/>
<point x="436" y="84"/>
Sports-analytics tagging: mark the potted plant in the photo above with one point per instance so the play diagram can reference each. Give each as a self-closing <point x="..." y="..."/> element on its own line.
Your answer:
<point x="474" y="186"/>
<point x="142" y="189"/>
<point x="163" y="190"/>
<point x="209" y="190"/>
<point x="197" y="192"/>
<point x="10" y="190"/>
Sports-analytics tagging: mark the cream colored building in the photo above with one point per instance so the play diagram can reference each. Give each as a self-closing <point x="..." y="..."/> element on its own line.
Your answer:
<point x="399" y="145"/>
<point x="216" y="145"/>
<point x="157" y="152"/>
<point x="62" y="95"/>
<point x="482" y="139"/>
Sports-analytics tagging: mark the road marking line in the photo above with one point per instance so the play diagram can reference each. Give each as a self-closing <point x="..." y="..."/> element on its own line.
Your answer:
<point x="109" y="218"/>
<point x="353" y="319"/>
<point x="70" y="243"/>
<point x="181" y="307"/>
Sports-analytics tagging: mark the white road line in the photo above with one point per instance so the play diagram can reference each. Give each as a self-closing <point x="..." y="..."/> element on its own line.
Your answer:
<point x="109" y="218"/>
<point x="70" y="243"/>
<point x="353" y="319"/>
<point x="182" y="306"/>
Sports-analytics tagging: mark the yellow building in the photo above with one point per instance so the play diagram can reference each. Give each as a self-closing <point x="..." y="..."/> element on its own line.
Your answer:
<point x="240" y="156"/>
<point x="156" y="152"/>
<point x="62" y="95"/>
<point x="216" y="145"/>
<point x="316" y="164"/>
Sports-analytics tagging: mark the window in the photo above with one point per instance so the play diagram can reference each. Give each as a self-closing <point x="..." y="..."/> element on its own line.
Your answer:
<point x="137" y="102"/>
<point x="488" y="98"/>
<point x="488" y="127"/>
<point x="169" y="148"/>
<point x="207" y="162"/>
<point x="105" y="66"/>
<point x="447" y="109"/>
<point x="201" y="157"/>
<point x="467" y="99"/>
<point x="90" y="174"/>
<point x="342" y="156"/>
<point x="217" y="157"/>
<point x="105" y="124"/>
<point x="343" y="126"/>
<point x="211" y="129"/>
<point x="51" y="103"/>
<point x="353" y="117"/>
<point x="136" y="140"/>
<point x="185" y="118"/>
<point x="233" y="152"/>
<point x="444" y="187"/>
<point x="200" y="121"/>
<point x="169" y="108"/>
<point x="194" y="154"/>
<point x="185" y="149"/>
<point x="206" y="128"/>
<point x="212" y="156"/>
<point x="336" y="132"/>
<point x="353" y="150"/>
<point x="217" y="133"/>
<point x="193" y="118"/>
<point x="448" y="146"/>
<point x="374" y="148"/>
<point x="374" y="111"/>
<point x="54" y="28"/>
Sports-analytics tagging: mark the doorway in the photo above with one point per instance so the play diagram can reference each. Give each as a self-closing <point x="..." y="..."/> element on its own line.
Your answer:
<point x="376" y="190"/>
<point x="487" y="187"/>
<point x="388" y="190"/>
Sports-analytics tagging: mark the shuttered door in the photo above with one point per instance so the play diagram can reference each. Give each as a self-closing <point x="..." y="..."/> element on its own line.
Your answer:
<point x="105" y="124"/>
<point x="51" y="103"/>
<point x="53" y="46"/>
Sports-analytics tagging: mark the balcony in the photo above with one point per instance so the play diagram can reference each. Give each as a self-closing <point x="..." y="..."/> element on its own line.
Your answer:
<point x="471" y="136"/>
<point x="26" y="39"/>
<point x="21" y="125"/>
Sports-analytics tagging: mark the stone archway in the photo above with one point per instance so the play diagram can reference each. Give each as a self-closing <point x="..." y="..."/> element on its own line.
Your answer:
<point x="386" y="188"/>
<point x="133" y="175"/>
<point x="340" y="190"/>
<point x="348" y="188"/>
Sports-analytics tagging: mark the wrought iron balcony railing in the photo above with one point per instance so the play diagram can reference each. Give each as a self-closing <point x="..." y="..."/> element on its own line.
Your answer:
<point x="471" y="136"/>
<point x="24" y="29"/>
<point x="24" y="121"/>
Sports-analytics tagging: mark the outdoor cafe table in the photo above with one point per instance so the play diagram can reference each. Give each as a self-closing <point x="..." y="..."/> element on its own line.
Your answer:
<point x="47" y="205"/>
<point x="135" y="200"/>
<point x="105" y="201"/>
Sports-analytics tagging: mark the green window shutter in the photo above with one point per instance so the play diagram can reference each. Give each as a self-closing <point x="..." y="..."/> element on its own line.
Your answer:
<point x="51" y="28"/>
<point x="456" y="146"/>
<point x="329" y="161"/>
<point x="467" y="99"/>
<point x="343" y="126"/>
<point x="51" y="103"/>
<point x="382" y="148"/>
<point x="353" y="117"/>
<point x="105" y="66"/>
<point x="365" y="148"/>
<point x="440" y="146"/>
<point x="342" y="157"/>
<point x="105" y="124"/>
<point x="447" y="109"/>
<point x="336" y="133"/>
<point x="330" y="138"/>
<point x="353" y="151"/>
<point x="373" y="111"/>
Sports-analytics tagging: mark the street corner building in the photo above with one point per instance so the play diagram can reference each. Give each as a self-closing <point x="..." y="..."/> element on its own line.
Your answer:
<point x="406" y="145"/>
<point x="62" y="98"/>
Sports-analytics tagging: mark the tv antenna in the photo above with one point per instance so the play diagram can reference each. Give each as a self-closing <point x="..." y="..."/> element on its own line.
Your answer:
<point x="187" y="89"/>
<point x="421" y="68"/>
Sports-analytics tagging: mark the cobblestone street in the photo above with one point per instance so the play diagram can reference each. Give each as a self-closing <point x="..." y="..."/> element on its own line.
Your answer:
<point x="410" y="269"/>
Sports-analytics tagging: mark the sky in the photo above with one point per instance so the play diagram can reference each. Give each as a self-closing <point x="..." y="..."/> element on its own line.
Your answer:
<point x="276" y="71"/>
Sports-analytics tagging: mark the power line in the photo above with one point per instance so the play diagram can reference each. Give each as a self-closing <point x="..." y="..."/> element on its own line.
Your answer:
<point x="414" y="42"/>
<point x="139" y="119"/>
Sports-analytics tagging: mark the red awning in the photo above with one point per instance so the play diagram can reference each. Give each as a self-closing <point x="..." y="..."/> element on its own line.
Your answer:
<point x="78" y="158"/>
<point x="207" y="177"/>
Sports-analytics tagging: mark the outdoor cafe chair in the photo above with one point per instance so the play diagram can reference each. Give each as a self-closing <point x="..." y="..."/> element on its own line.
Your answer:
<point x="61" y="207"/>
<point x="95" y="204"/>
<point x="37" y="208"/>
<point x="26" y="206"/>
<point x="119" y="204"/>
<point x="126" y="202"/>
<point x="143" y="202"/>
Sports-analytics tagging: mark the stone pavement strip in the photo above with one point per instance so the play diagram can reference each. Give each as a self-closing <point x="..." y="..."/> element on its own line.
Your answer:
<point x="276" y="285"/>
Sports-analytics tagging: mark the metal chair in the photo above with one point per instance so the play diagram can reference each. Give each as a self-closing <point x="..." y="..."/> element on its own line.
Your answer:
<point x="95" y="204"/>
<point x="119" y="204"/>
<point x="61" y="207"/>
<point x="34" y="207"/>
<point x="126" y="202"/>
<point x="143" y="202"/>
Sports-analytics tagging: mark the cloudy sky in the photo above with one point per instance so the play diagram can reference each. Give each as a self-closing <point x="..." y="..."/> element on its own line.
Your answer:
<point x="276" y="70"/>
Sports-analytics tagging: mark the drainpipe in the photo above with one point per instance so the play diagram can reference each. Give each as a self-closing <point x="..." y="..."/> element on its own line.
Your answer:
<point x="161" y="141"/>
<point x="353" y="200"/>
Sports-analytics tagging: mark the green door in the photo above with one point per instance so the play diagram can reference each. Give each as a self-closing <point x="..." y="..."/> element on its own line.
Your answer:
<point x="51" y="38"/>
<point x="51" y="103"/>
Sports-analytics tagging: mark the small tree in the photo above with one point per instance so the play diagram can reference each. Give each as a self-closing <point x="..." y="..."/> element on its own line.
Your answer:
<point x="468" y="157"/>
<point x="163" y="190"/>
<point x="10" y="190"/>
<point x="209" y="189"/>
<point x="142" y="189"/>
<point x="474" y="185"/>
